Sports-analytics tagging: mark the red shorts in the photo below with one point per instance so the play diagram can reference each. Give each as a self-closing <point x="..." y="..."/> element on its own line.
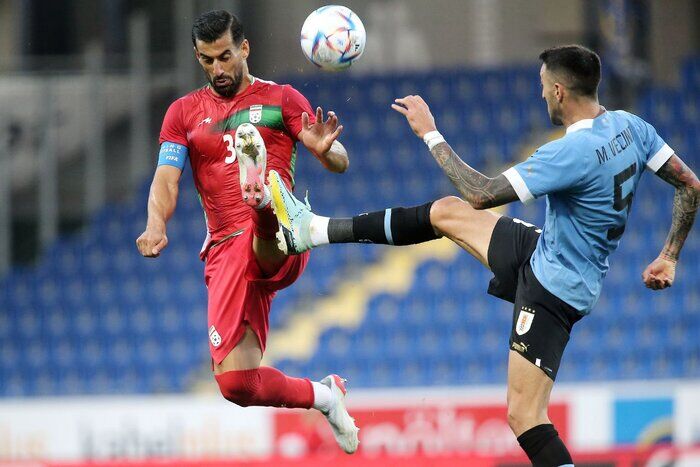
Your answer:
<point x="238" y="293"/>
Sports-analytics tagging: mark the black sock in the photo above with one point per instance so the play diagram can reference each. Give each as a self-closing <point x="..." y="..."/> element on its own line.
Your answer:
<point x="396" y="226"/>
<point x="544" y="447"/>
<point x="340" y="230"/>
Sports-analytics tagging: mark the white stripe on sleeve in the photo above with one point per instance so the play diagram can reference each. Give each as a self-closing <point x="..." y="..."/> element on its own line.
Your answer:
<point x="660" y="158"/>
<point x="387" y="227"/>
<point x="519" y="185"/>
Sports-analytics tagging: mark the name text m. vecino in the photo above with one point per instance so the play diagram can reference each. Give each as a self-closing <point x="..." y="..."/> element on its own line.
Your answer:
<point x="615" y="146"/>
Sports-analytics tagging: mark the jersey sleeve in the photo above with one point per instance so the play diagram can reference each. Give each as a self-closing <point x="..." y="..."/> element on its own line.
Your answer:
<point x="553" y="167"/>
<point x="173" y="129"/>
<point x="173" y="138"/>
<point x="655" y="148"/>
<point x="293" y="105"/>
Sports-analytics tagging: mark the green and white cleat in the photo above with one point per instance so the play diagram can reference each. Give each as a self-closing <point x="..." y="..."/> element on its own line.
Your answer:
<point x="293" y="216"/>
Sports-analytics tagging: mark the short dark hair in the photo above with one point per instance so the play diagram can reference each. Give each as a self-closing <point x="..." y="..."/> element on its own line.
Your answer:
<point x="211" y="25"/>
<point x="580" y="65"/>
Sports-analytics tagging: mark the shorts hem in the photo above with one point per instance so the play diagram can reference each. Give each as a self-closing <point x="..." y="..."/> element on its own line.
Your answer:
<point x="531" y="359"/>
<point x="218" y="354"/>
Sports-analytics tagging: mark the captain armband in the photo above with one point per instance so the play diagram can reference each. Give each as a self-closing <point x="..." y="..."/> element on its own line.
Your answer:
<point x="173" y="154"/>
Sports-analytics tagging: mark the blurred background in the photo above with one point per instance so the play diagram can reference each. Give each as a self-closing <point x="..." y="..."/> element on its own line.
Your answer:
<point x="103" y="354"/>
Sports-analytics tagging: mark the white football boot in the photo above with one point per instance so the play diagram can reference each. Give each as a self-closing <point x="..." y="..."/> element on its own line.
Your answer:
<point x="252" y="160"/>
<point x="341" y="422"/>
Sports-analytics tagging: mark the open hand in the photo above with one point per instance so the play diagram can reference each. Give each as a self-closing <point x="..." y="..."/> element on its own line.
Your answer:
<point x="318" y="137"/>
<point x="660" y="273"/>
<point x="417" y="113"/>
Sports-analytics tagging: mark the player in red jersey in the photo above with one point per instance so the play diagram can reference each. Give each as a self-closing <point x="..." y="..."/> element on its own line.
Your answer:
<point x="233" y="130"/>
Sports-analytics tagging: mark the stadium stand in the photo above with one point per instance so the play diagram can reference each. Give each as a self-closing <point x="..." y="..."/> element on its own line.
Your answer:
<point x="93" y="317"/>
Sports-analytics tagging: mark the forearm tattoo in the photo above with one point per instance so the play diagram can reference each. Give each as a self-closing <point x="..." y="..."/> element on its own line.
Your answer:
<point x="480" y="191"/>
<point x="685" y="204"/>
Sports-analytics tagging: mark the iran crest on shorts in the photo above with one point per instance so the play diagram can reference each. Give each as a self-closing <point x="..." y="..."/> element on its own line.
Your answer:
<point x="255" y="113"/>
<point x="525" y="318"/>
<point x="214" y="336"/>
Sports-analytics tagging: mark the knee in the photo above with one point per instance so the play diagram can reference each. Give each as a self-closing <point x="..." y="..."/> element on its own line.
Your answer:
<point x="523" y="415"/>
<point x="240" y="387"/>
<point x="516" y="418"/>
<point x="448" y="209"/>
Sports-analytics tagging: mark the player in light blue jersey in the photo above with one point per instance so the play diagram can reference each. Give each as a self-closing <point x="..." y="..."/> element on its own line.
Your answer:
<point x="588" y="178"/>
<point x="554" y="275"/>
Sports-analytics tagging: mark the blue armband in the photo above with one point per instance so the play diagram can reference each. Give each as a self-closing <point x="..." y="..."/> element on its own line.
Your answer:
<point x="172" y="154"/>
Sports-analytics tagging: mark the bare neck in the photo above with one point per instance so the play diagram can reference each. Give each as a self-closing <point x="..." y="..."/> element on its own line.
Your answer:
<point x="582" y="110"/>
<point x="245" y="82"/>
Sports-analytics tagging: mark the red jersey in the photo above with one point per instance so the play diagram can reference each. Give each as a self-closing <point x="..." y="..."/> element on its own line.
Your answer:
<point x="206" y="123"/>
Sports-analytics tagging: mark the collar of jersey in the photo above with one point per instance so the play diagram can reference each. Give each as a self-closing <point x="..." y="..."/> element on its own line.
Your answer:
<point x="580" y="125"/>
<point x="586" y="123"/>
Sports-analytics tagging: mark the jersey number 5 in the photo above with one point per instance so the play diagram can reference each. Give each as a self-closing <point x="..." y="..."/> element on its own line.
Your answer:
<point x="620" y="203"/>
<point x="228" y="139"/>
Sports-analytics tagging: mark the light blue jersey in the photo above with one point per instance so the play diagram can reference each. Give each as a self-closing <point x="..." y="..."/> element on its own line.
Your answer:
<point x="588" y="177"/>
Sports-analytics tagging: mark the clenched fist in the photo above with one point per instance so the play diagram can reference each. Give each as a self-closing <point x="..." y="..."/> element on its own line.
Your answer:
<point x="660" y="273"/>
<point x="151" y="242"/>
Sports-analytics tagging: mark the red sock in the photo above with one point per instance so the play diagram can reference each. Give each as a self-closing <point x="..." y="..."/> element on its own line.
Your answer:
<point x="265" y="386"/>
<point x="264" y="223"/>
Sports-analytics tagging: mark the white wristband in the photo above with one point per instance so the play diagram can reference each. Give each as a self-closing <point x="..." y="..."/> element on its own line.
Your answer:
<point x="433" y="138"/>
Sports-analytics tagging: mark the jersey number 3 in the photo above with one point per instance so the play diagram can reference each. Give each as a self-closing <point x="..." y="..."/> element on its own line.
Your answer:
<point x="228" y="139"/>
<point x="620" y="203"/>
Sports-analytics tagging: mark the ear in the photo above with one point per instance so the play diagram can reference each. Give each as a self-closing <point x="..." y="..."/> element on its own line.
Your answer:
<point x="559" y="92"/>
<point x="245" y="49"/>
<point x="196" y="53"/>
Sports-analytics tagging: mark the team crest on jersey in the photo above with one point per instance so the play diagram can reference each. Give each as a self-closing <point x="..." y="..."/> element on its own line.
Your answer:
<point x="525" y="319"/>
<point x="214" y="336"/>
<point x="255" y="113"/>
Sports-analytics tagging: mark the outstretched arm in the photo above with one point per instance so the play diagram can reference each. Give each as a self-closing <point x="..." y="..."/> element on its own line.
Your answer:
<point x="480" y="191"/>
<point x="661" y="272"/>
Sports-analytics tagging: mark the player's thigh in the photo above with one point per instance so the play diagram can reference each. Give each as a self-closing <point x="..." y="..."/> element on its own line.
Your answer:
<point x="268" y="255"/>
<point x="528" y="394"/>
<point x="236" y="316"/>
<point x="540" y="331"/>
<point x="284" y="275"/>
<point x="469" y="228"/>
<point x="246" y="355"/>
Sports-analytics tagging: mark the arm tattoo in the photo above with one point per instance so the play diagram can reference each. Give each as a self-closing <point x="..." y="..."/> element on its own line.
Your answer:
<point x="476" y="188"/>
<point x="685" y="204"/>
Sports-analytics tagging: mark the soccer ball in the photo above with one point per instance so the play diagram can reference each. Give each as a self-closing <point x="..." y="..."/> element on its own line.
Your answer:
<point x="333" y="37"/>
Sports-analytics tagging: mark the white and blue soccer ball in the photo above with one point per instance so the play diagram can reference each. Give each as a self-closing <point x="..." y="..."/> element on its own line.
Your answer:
<point x="333" y="37"/>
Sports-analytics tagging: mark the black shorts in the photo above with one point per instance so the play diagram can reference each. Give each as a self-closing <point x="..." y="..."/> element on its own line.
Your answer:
<point x="542" y="322"/>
